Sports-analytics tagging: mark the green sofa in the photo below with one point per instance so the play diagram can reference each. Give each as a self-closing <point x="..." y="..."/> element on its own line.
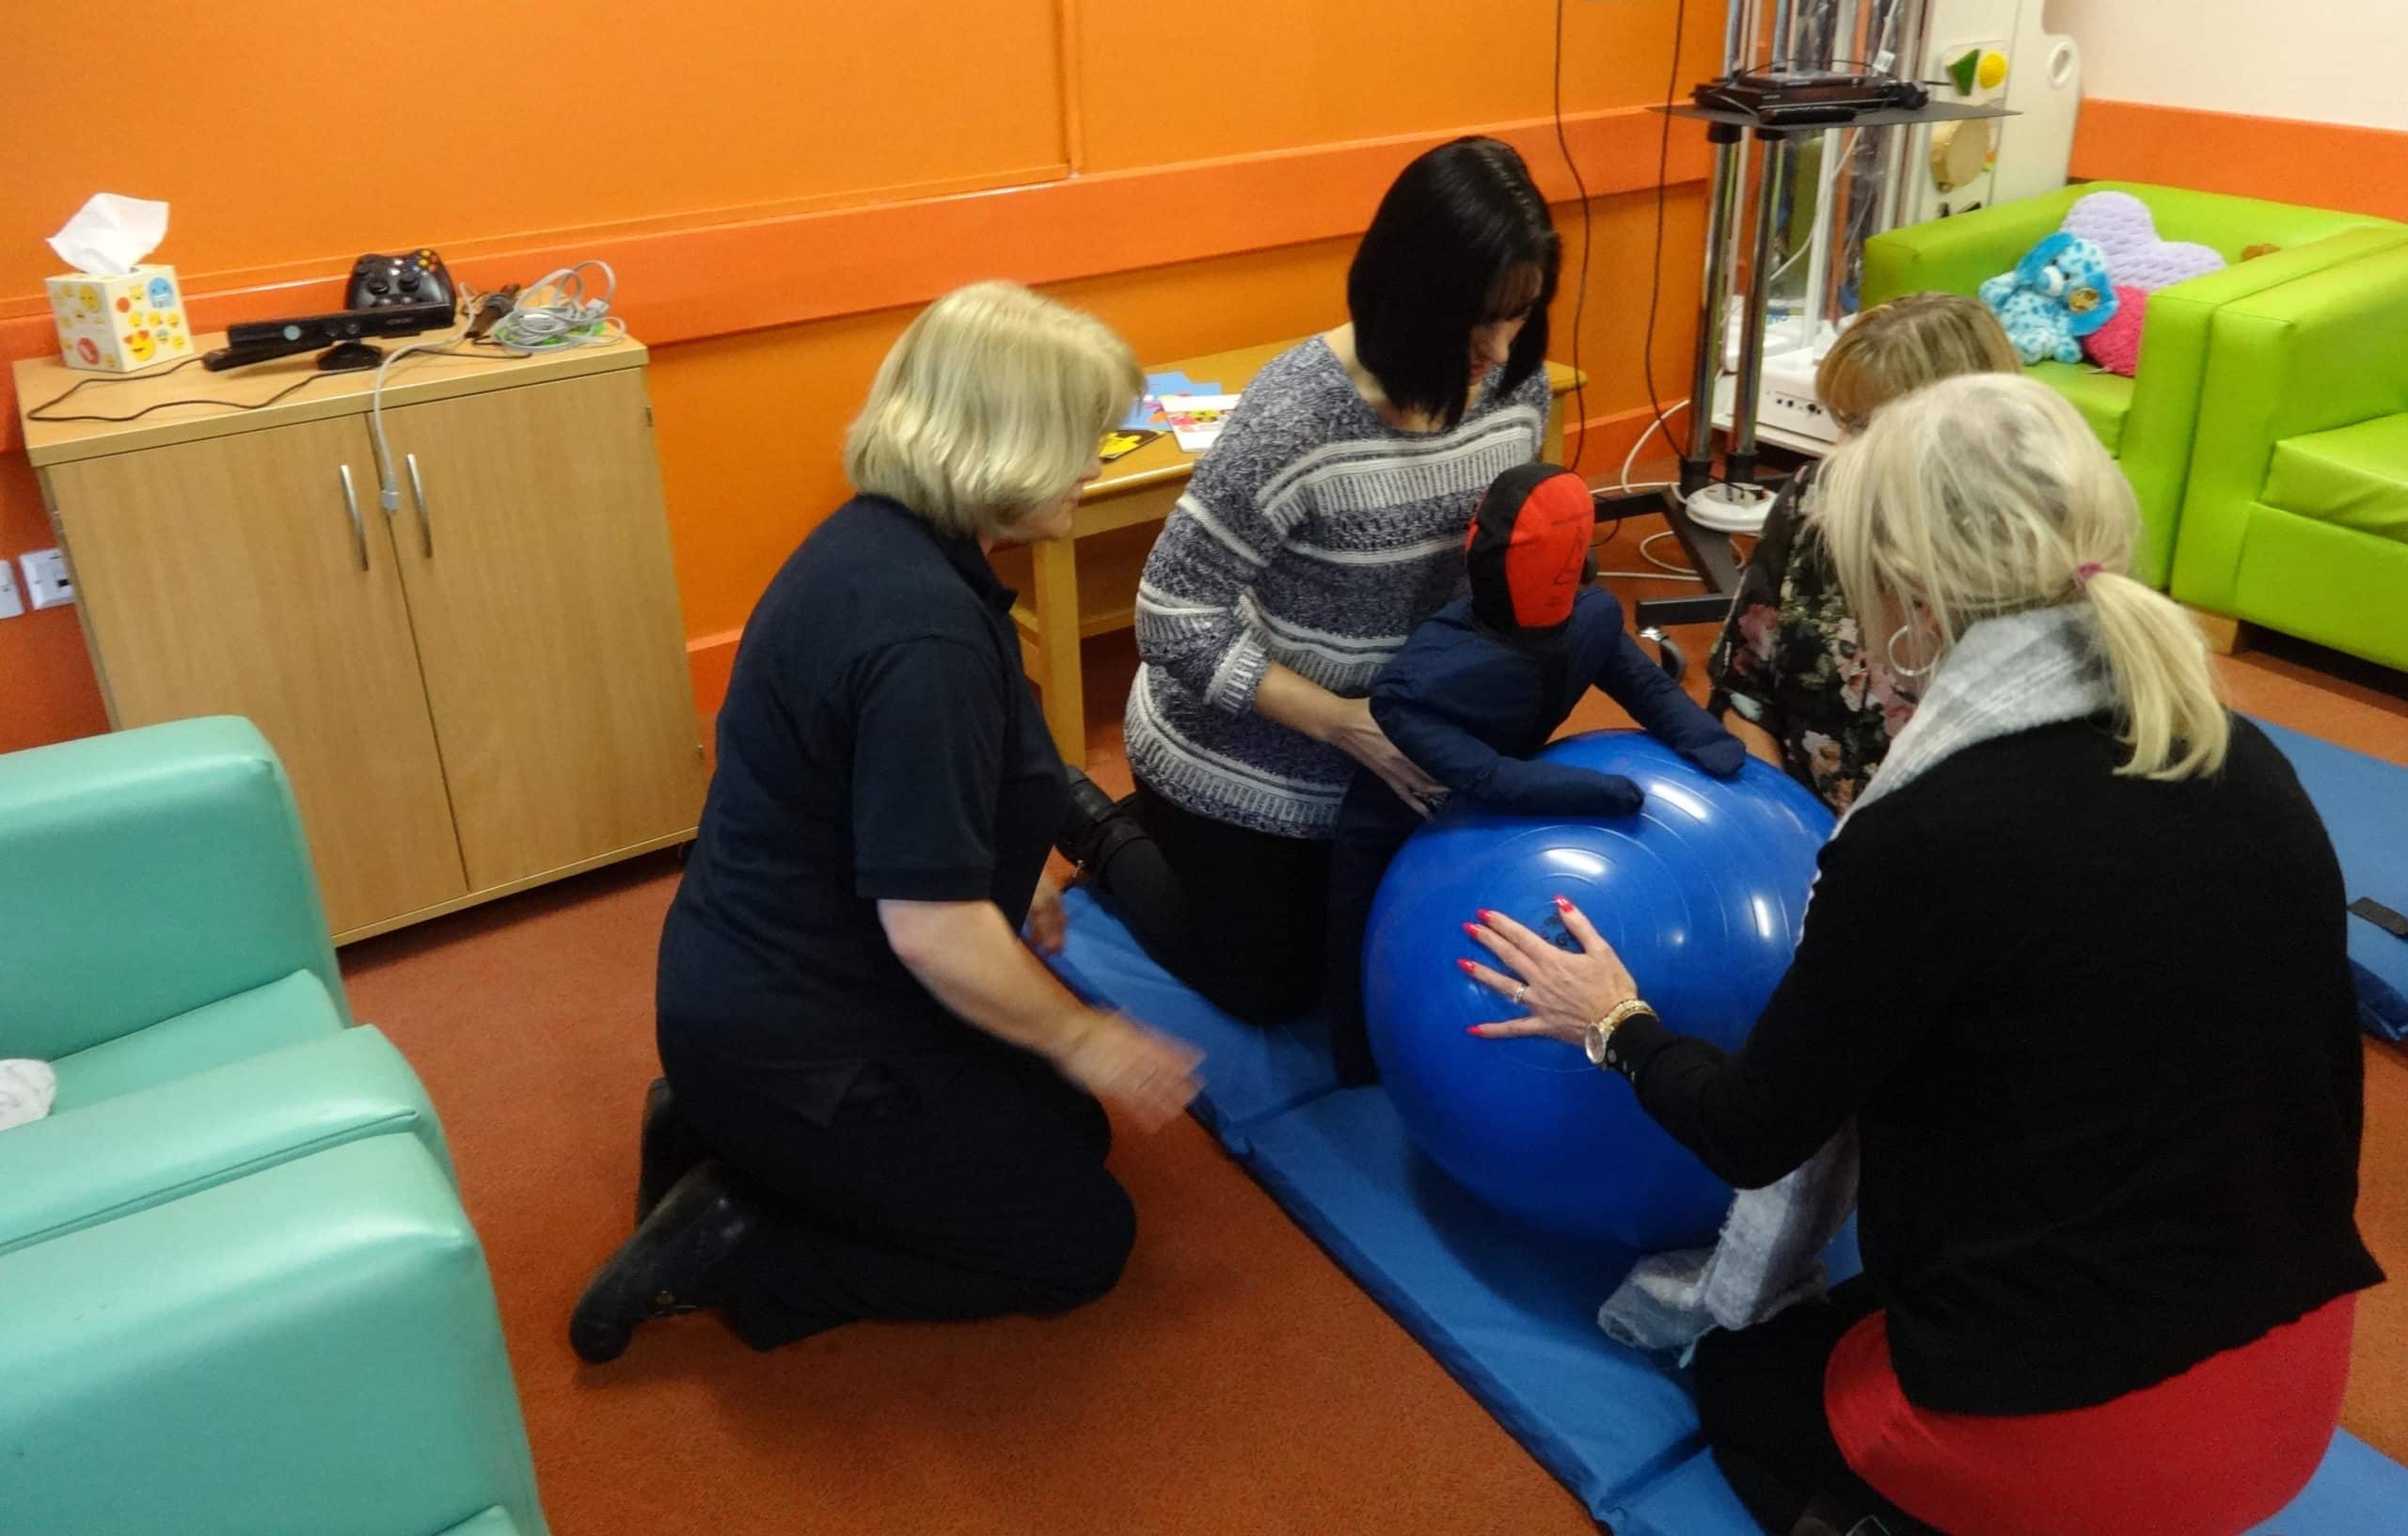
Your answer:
<point x="2296" y="515"/>
<point x="163" y="947"/>
<point x="311" y="1350"/>
<point x="238" y="1293"/>
<point x="2148" y="423"/>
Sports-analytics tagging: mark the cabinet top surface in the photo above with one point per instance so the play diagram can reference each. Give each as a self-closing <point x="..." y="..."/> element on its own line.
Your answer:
<point x="419" y="377"/>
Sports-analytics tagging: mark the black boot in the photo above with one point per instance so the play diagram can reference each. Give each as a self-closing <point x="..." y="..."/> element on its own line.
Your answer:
<point x="1097" y="826"/>
<point x="665" y="1269"/>
<point x="670" y="1148"/>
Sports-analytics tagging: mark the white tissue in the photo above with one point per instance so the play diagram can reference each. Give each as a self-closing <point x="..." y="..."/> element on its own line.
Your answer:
<point x="109" y="236"/>
<point x="27" y="1089"/>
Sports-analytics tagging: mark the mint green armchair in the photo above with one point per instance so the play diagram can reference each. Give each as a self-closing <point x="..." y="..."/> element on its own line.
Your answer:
<point x="311" y="1350"/>
<point x="163" y="947"/>
<point x="2148" y="423"/>
<point x="2297" y="512"/>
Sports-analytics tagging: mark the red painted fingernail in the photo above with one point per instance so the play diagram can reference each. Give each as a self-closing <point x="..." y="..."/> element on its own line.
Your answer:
<point x="1473" y="1030"/>
<point x="1472" y="928"/>
<point x="1487" y="916"/>
<point x="1464" y="964"/>
<point x="1562" y="905"/>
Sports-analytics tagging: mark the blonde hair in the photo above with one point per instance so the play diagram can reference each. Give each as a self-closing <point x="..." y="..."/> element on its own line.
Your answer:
<point x="1900" y="346"/>
<point x="988" y="407"/>
<point x="1986" y="494"/>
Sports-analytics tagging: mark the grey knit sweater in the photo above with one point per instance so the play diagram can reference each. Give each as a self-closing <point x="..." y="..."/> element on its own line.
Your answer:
<point x="1315" y="535"/>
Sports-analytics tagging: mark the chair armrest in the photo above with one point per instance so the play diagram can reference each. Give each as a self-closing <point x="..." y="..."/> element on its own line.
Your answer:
<point x="312" y="1349"/>
<point x="2163" y="427"/>
<point x="2329" y="349"/>
<point x="150" y="872"/>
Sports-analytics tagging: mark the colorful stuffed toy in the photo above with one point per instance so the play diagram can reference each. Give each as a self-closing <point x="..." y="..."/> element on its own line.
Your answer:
<point x="2123" y="226"/>
<point x="2055" y="296"/>
<point x="2116" y="345"/>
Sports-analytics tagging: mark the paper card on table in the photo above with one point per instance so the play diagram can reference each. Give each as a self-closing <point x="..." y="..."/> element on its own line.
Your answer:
<point x="1124" y="441"/>
<point x="1197" y="420"/>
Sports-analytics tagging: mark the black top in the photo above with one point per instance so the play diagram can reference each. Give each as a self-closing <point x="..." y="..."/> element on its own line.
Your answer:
<point x="2098" y="1035"/>
<point x="878" y="741"/>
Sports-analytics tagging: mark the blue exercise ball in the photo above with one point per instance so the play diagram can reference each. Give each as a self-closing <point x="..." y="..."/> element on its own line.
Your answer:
<point x="1700" y="893"/>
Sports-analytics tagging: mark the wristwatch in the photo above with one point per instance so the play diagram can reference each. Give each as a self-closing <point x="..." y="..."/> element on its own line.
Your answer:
<point x="1599" y="1040"/>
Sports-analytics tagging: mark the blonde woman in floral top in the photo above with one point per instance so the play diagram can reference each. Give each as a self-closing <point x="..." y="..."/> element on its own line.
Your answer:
<point x="1792" y="676"/>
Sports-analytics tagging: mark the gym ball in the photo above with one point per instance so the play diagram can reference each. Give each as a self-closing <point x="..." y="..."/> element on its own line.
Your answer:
<point x="1701" y="891"/>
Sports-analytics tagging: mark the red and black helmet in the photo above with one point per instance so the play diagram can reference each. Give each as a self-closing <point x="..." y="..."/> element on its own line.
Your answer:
<point x="1528" y="549"/>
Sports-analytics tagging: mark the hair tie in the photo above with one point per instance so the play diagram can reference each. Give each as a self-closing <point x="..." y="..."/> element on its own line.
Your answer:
<point x="2083" y="572"/>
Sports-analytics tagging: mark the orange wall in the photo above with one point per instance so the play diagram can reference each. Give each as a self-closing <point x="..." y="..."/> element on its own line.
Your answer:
<point x="2319" y="164"/>
<point x="773" y="230"/>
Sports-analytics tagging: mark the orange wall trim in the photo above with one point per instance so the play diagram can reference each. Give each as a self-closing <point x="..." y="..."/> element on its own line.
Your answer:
<point x="2322" y="164"/>
<point x="710" y="279"/>
<point x="1602" y="440"/>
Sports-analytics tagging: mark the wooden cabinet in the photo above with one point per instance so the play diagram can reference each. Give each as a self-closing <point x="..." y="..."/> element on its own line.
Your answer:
<point x="481" y="689"/>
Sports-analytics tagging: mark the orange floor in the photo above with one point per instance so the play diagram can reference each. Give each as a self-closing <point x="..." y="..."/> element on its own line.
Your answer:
<point x="1236" y="1382"/>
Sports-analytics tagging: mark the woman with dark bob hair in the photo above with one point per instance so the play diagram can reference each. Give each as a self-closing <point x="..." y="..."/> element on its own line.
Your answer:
<point x="1324" y="524"/>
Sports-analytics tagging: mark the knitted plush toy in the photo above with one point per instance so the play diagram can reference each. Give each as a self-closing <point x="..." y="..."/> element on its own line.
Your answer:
<point x="2055" y="296"/>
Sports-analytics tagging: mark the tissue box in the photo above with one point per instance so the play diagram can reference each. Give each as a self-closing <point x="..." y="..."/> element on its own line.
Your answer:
<point x="116" y="325"/>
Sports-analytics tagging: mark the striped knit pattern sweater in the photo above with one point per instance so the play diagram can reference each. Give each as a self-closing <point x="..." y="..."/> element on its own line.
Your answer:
<point x="1315" y="535"/>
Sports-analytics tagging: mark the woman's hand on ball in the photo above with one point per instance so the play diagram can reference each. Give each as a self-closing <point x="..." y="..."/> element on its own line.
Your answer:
<point x="1564" y="992"/>
<point x="1353" y="731"/>
<point x="1148" y="1074"/>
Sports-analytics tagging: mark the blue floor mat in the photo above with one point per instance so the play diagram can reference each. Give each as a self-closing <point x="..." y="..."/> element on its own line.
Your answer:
<point x="2364" y="801"/>
<point x="1513" y="1316"/>
<point x="1249" y="1075"/>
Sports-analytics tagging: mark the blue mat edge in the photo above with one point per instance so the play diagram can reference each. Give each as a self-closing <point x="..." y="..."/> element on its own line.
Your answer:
<point x="1561" y="1457"/>
<point x="2382" y="1002"/>
<point x="1229" y="1131"/>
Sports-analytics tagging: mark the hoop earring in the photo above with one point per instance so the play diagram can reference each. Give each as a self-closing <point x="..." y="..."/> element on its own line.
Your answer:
<point x="1901" y="668"/>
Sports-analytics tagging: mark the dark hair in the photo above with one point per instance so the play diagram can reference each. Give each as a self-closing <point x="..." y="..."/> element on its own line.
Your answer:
<point x="1453" y="246"/>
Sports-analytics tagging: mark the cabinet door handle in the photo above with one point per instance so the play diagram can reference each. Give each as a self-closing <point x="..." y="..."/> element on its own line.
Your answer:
<point x="417" y="494"/>
<point x="358" y="528"/>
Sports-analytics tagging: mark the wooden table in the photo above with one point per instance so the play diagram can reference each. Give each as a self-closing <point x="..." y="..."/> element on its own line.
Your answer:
<point x="1087" y="584"/>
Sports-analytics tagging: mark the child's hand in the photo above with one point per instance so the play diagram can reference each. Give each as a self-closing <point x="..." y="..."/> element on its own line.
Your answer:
<point x="1723" y="757"/>
<point x="1612" y="795"/>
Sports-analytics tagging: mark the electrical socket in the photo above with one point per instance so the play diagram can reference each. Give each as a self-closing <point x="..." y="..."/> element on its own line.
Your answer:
<point x="46" y="580"/>
<point x="10" y="604"/>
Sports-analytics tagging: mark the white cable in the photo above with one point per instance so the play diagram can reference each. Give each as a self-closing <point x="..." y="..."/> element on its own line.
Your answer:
<point x="1626" y="488"/>
<point x="389" y="494"/>
<point x="549" y="313"/>
<point x="554" y="311"/>
<point x="1660" y="423"/>
<point x="1647" y="554"/>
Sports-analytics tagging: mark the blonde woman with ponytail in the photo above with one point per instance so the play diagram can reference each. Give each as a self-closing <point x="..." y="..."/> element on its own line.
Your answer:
<point x="2074" y="969"/>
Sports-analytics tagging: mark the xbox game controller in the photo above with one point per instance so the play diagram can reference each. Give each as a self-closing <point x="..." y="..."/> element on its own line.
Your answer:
<point x="419" y="277"/>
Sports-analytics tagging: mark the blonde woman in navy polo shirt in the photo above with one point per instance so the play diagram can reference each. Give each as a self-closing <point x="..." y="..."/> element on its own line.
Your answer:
<point x="879" y="1103"/>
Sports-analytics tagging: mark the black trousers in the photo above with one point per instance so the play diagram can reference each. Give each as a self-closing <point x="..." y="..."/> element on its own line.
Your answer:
<point x="972" y="1190"/>
<point x="1369" y="835"/>
<point x="1760" y="1402"/>
<point x="1236" y="914"/>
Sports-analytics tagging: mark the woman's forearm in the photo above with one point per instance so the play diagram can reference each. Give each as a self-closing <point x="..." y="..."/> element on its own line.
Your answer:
<point x="971" y="960"/>
<point x="1303" y="706"/>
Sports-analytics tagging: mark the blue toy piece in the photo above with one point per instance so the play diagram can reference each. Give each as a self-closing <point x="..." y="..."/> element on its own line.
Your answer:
<point x="1700" y="893"/>
<point x="2057" y="294"/>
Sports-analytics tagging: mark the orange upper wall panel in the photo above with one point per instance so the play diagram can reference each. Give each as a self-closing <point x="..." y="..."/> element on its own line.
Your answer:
<point x="498" y="118"/>
<point x="1249" y="75"/>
